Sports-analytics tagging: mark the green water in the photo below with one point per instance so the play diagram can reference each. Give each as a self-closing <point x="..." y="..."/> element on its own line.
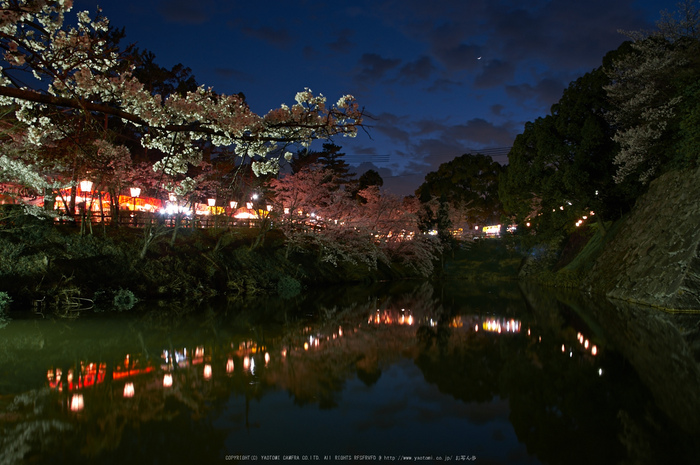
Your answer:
<point x="431" y="372"/>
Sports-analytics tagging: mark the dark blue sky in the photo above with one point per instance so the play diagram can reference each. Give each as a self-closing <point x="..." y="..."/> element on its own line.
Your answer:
<point x="439" y="77"/>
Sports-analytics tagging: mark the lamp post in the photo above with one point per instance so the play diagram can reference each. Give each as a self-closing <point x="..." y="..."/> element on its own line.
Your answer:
<point x="212" y="204"/>
<point x="85" y="186"/>
<point x="135" y="192"/>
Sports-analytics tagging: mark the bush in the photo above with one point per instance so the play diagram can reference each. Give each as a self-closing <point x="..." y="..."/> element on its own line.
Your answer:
<point x="5" y="300"/>
<point x="288" y="287"/>
<point x="124" y="299"/>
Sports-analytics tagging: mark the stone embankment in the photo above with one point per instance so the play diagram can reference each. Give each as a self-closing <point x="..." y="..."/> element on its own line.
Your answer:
<point x="654" y="259"/>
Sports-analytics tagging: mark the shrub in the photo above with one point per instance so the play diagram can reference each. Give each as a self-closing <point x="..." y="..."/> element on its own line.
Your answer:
<point x="124" y="299"/>
<point x="288" y="287"/>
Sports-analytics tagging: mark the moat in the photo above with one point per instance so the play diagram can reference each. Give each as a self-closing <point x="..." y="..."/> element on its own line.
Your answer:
<point x="432" y="372"/>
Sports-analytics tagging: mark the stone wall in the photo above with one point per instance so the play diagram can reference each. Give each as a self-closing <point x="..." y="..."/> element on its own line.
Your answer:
<point x="654" y="259"/>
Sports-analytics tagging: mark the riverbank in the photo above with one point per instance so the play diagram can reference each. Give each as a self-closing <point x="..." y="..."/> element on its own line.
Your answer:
<point x="63" y="269"/>
<point x="651" y="256"/>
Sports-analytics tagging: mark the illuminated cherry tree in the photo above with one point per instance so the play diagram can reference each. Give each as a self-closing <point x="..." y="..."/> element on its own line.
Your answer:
<point x="76" y="69"/>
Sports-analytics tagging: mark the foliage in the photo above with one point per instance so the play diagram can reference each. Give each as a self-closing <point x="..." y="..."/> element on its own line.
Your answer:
<point x="124" y="299"/>
<point x="562" y="166"/>
<point x="469" y="185"/>
<point x="653" y="88"/>
<point x="368" y="229"/>
<point x="80" y="86"/>
<point x="5" y="301"/>
<point x="288" y="287"/>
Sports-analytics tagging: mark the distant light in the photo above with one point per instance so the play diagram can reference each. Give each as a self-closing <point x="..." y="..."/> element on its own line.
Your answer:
<point x="86" y="186"/>
<point x="594" y="350"/>
<point x="207" y="371"/>
<point x="129" y="390"/>
<point x="77" y="403"/>
<point x="167" y="380"/>
<point x="600" y="372"/>
<point x="233" y="204"/>
<point x="229" y="366"/>
<point x="135" y="191"/>
<point x="211" y="202"/>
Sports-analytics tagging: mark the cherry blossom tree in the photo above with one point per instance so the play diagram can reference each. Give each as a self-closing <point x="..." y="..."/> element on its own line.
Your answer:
<point x="77" y="70"/>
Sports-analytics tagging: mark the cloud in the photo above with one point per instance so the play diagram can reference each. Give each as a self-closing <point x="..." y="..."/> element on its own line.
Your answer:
<point x="276" y="36"/>
<point x="416" y="71"/>
<point x="497" y="109"/>
<point x="479" y="132"/>
<point x="546" y="92"/>
<point x="393" y="127"/>
<point x="343" y="44"/>
<point x="459" y="57"/>
<point x="233" y="74"/>
<point x="185" y="11"/>
<point x="374" y="67"/>
<point x="495" y="73"/>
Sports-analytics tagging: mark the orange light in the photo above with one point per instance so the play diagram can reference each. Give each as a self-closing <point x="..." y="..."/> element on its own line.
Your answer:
<point x="207" y="371"/>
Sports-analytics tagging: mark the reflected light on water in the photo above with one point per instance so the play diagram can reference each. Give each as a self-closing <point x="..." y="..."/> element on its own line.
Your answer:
<point x="129" y="390"/>
<point x="229" y="366"/>
<point x="267" y="358"/>
<point x="77" y="403"/>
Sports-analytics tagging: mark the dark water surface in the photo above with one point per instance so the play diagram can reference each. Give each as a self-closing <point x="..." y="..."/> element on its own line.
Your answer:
<point x="432" y="372"/>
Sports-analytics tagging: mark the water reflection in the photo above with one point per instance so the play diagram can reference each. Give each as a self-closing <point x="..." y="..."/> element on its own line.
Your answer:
<point x="503" y="374"/>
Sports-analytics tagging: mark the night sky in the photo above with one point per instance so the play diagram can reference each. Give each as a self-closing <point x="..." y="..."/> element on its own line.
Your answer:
<point x="438" y="78"/>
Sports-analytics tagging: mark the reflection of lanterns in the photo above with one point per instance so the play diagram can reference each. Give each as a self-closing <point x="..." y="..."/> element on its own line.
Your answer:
<point x="167" y="380"/>
<point x="77" y="403"/>
<point x="229" y="366"/>
<point x="207" y="371"/>
<point x="129" y="390"/>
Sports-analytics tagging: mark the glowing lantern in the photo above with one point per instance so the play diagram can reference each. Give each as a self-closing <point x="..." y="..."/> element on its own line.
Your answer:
<point x="86" y="186"/>
<point x="229" y="366"/>
<point x="129" y="390"/>
<point x="267" y="358"/>
<point x="233" y="204"/>
<point x="77" y="403"/>
<point x="167" y="380"/>
<point x="207" y="371"/>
